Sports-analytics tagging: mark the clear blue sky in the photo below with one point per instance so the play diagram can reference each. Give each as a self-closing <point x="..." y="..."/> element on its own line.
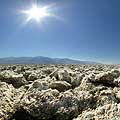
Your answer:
<point x="90" y="30"/>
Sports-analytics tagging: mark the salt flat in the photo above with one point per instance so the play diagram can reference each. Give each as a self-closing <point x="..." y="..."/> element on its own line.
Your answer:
<point x="59" y="92"/>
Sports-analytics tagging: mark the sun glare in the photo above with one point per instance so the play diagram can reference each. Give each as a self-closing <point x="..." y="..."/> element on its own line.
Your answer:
<point x="37" y="13"/>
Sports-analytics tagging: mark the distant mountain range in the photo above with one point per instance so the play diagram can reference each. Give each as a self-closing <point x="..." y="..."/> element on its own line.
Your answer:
<point x="42" y="60"/>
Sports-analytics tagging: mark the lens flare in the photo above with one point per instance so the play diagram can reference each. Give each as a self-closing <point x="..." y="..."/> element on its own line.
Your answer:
<point x="37" y="13"/>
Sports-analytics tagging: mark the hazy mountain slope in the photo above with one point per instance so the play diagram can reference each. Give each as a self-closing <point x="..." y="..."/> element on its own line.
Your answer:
<point x="42" y="60"/>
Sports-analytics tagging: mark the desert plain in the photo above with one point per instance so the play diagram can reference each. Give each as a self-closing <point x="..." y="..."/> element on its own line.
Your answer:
<point x="59" y="92"/>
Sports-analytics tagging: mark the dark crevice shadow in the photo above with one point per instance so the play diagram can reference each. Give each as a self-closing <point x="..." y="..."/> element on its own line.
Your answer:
<point x="22" y="115"/>
<point x="104" y="83"/>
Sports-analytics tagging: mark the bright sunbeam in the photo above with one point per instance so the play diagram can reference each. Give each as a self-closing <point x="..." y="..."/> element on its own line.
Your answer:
<point x="38" y="13"/>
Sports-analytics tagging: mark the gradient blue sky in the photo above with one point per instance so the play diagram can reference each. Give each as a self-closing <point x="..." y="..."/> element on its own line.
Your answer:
<point x="90" y="30"/>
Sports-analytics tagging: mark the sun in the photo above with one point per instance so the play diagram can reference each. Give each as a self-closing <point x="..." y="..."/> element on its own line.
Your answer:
<point x="37" y="13"/>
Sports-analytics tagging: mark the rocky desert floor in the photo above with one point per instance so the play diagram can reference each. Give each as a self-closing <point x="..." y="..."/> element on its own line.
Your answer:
<point x="59" y="92"/>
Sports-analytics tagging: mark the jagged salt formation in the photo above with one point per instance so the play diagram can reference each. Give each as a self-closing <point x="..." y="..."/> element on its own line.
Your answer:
<point x="59" y="92"/>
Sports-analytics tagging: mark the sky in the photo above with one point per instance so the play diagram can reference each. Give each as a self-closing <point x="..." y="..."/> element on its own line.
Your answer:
<point x="87" y="30"/>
